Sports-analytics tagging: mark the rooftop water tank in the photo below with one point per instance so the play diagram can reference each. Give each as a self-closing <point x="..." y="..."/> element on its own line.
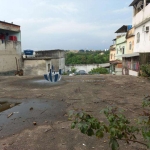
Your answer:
<point x="28" y="52"/>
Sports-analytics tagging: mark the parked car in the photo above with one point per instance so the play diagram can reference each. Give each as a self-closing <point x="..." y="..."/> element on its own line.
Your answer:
<point x="81" y="72"/>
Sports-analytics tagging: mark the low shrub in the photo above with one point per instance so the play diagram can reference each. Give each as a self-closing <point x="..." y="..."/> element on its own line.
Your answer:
<point x="73" y="69"/>
<point x="145" y="70"/>
<point x="99" y="70"/>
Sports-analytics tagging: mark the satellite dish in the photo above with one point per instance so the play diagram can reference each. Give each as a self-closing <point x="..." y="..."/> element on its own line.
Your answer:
<point x="140" y="5"/>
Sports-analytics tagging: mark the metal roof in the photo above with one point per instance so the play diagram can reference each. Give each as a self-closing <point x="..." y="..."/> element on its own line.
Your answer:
<point x="134" y="2"/>
<point x="122" y="29"/>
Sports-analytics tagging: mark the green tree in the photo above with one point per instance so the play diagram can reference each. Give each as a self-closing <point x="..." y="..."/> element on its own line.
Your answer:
<point x="117" y="127"/>
<point x="87" y="58"/>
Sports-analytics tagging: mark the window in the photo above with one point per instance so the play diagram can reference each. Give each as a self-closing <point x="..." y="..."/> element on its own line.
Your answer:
<point x="143" y="29"/>
<point x="123" y="49"/>
<point x="48" y="67"/>
<point x="111" y="56"/>
<point x="138" y="37"/>
<point x="130" y="45"/>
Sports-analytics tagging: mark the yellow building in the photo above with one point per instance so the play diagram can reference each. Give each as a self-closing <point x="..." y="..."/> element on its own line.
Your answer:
<point x="130" y="41"/>
<point x="112" y="53"/>
<point x="130" y="60"/>
<point x="115" y="64"/>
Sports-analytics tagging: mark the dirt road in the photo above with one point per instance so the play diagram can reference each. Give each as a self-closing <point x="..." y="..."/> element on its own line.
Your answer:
<point x="47" y="104"/>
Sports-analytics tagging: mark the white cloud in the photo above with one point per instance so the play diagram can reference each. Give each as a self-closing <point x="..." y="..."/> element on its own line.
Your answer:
<point x="34" y="21"/>
<point x="63" y="7"/>
<point x="65" y="26"/>
<point x="69" y="7"/>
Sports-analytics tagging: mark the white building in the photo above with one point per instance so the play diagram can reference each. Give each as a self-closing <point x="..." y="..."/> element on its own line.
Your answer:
<point x="10" y="48"/>
<point x="43" y="62"/>
<point x="141" y="23"/>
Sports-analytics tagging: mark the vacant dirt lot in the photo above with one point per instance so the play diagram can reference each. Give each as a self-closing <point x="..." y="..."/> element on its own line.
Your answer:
<point x="51" y="103"/>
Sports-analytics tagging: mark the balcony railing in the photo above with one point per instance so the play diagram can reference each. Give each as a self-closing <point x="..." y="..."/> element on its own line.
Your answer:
<point x="130" y="33"/>
<point x="112" y="47"/>
<point x="141" y="16"/>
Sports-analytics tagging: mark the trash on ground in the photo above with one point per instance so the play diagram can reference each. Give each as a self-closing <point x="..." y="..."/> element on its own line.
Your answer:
<point x="9" y="115"/>
<point x="34" y="123"/>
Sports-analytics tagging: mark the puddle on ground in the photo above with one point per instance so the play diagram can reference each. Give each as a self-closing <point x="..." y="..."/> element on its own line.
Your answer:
<point x="15" y="117"/>
<point x="7" y="105"/>
<point x="45" y="82"/>
<point x="37" y="83"/>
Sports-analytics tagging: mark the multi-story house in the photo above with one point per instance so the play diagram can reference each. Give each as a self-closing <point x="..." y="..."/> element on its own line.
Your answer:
<point x="112" y="56"/>
<point x="130" y="41"/>
<point x="112" y="49"/>
<point x="141" y="49"/>
<point x="118" y="50"/>
<point x="129" y="60"/>
<point x="10" y="48"/>
<point x="141" y="23"/>
<point x="115" y="64"/>
<point x="121" y="42"/>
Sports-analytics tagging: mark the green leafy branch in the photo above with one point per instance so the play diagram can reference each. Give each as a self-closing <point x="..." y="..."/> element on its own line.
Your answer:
<point x="117" y="127"/>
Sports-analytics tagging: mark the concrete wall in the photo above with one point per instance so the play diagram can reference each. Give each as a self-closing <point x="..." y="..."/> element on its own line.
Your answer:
<point x="62" y="64"/>
<point x="9" y="26"/>
<point x="130" y="39"/>
<point x="50" y="53"/>
<point x="86" y="68"/>
<point x="8" y="52"/>
<point x="133" y="73"/>
<point x="48" y="65"/>
<point x="144" y="44"/>
<point x="34" y="67"/>
<point x="141" y="16"/>
<point x="62" y="54"/>
<point x="10" y="46"/>
<point x="118" y="71"/>
<point x="112" y="55"/>
<point x="55" y="63"/>
<point x="6" y="60"/>
<point x="41" y="67"/>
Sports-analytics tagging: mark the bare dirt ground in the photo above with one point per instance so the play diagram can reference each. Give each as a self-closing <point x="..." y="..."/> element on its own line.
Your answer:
<point x="51" y="103"/>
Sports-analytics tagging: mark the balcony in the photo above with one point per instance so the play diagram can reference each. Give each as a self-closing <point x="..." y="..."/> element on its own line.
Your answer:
<point x="130" y="33"/>
<point x="112" y="47"/>
<point x="141" y="16"/>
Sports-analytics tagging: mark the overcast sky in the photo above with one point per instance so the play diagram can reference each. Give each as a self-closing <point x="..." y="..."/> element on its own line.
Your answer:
<point x="66" y="24"/>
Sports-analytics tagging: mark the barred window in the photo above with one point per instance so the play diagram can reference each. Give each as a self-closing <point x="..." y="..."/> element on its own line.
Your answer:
<point x="138" y="37"/>
<point x="130" y="45"/>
